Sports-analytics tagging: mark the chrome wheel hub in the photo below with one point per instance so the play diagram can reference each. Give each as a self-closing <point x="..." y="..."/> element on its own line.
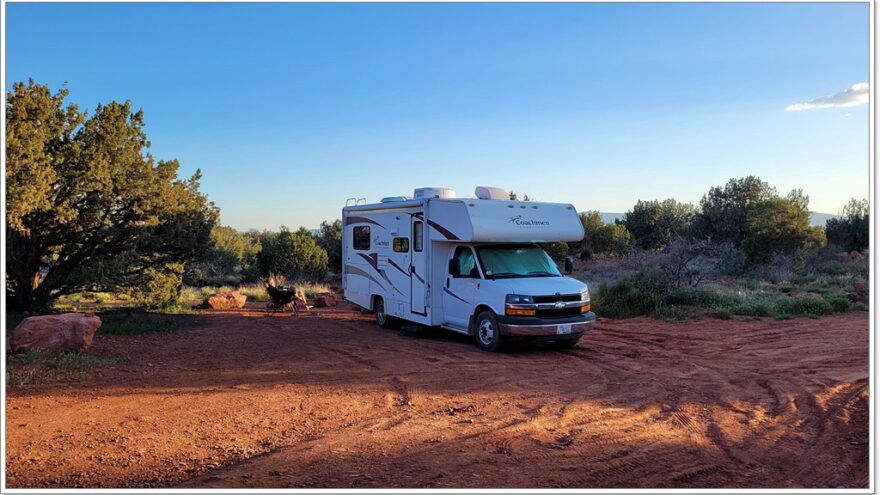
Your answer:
<point x="486" y="332"/>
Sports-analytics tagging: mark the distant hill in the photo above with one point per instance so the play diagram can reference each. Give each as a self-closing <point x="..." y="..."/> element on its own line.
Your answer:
<point x="820" y="218"/>
<point x="816" y="218"/>
<point x="610" y="217"/>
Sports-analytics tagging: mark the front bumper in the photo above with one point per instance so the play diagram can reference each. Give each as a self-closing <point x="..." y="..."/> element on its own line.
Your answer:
<point x="530" y="326"/>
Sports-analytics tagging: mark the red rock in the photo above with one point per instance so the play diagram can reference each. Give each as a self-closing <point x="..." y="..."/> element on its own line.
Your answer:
<point x="226" y="300"/>
<point x="860" y="292"/>
<point x="326" y="299"/>
<point x="63" y="332"/>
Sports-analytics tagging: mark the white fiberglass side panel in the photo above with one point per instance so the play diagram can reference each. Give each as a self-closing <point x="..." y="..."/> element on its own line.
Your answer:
<point x="523" y="221"/>
<point x="482" y="220"/>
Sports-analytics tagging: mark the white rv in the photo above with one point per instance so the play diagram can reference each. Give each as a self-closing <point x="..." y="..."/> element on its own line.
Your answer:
<point x="470" y="265"/>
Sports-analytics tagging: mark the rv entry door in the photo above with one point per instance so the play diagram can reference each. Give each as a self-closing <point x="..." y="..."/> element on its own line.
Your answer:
<point x="418" y="274"/>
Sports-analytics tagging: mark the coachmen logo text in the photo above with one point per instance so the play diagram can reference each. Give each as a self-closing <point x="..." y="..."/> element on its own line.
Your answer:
<point x="519" y="220"/>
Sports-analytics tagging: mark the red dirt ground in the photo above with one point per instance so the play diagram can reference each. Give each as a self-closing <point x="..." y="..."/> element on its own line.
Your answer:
<point x="332" y="400"/>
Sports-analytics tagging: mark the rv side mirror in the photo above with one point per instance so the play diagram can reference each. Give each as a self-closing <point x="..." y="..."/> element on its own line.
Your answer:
<point x="454" y="268"/>
<point x="569" y="264"/>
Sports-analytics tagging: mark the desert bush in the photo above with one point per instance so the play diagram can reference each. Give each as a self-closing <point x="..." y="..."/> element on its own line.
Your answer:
<point x="556" y="250"/>
<point x="683" y="262"/>
<point x="699" y="296"/>
<point x="160" y="287"/>
<point x="724" y="211"/>
<point x="838" y="301"/>
<point x="255" y="293"/>
<point x="732" y="261"/>
<point x="654" y="223"/>
<point x="779" y="226"/>
<point x="624" y="299"/>
<point x="330" y="239"/>
<point x="852" y="230"/>
<point x="602" y="238"/>
<point x="720" y="313"/>
<point x="294" y="254"/>
<point x="754" y="308"/>
<point x="651" y="279"/>
<point x="103" y="297"/>
<point x="805" y="306"/>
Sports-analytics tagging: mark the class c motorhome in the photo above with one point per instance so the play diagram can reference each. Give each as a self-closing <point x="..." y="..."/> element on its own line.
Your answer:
<point x="470" y="265"/>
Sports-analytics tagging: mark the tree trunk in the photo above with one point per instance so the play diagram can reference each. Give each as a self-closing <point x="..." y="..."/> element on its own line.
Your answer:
<point x="23" y="268"/>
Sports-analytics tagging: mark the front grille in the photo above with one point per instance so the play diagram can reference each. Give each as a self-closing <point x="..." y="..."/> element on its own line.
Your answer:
<point x="557" y="298"/>
<point x="558" y="313"/>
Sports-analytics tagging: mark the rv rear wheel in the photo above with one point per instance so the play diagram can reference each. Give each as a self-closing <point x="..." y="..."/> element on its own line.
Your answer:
<point x="487" y="332"/>
<point x="382" y="318"/>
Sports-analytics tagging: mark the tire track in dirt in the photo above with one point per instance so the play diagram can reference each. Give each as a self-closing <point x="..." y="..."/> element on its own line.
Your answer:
<point x="331" y="400"/>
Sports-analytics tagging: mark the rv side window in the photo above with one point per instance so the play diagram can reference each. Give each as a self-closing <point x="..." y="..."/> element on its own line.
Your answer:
<point x="417" y="237"/>
<point x="466" y="263"/>
<point x="361" y="238"/>
<point x="401" y="245"/>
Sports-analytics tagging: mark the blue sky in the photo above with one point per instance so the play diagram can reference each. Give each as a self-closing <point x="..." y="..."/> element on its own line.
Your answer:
<point x="289" y="109"/>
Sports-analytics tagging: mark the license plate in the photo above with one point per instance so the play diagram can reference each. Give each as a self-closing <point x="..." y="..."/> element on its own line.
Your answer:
<point x="563" y="329"/>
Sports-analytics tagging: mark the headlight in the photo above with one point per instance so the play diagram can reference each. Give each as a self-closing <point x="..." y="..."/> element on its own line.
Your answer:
<point x="518" y="299"/>
<point x="585" y="295"/>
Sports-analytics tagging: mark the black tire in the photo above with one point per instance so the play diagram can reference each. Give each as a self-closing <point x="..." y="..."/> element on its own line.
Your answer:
<point x="566" y="344"/>
<point x="487" y="333"/>
<point x="382" y="318"/>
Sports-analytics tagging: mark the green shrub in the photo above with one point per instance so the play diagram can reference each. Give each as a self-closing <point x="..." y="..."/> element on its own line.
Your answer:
<point x="698" y="296"/>
<point x="103" y="297"/>
<point x="254" y="293"/>
<point x="838" y="301"/>
<point x="651" y="279"/>
<point x="720" y="313"/>
<point x="653" y="224"/>
<point x="624" y="299"/>
<point x="159" y="288"/>
<point x="803" y="306"/>
<point x="296" y="255"/>
<point x="753" y="308"/>
<point x="852" y="230"/>
<point x="733" y="262"/>
<point x="75" y="297"/>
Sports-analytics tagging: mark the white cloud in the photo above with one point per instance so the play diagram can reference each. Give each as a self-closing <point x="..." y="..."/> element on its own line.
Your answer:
<point x="852" y="97"/>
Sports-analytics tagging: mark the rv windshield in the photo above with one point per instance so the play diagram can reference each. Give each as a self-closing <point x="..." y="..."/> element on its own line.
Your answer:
<point x="514" y="261"/>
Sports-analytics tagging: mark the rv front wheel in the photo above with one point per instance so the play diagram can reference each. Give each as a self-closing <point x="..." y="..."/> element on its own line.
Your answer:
<point x="487" y="333"/>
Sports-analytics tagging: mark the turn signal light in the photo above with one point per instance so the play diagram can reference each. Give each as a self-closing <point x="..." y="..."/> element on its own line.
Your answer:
<point x="519" y="312"/>
<point x="585" y="308"/>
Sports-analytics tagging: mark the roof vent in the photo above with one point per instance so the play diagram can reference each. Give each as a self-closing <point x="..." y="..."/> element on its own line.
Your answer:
<point x="394" y="199"/>
<point x="482" y="192"/>
<point x="434" y="192"/>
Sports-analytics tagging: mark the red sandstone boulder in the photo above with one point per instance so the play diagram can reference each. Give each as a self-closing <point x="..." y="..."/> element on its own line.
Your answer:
<point x="64" y="332"/>
<point x="226" y="300"/>
<point x="859" y="293"/>
<point x="323" y="300"/>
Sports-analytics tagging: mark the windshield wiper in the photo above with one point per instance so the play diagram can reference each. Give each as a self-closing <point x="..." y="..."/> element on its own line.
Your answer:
<point x="506" y="275"/>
